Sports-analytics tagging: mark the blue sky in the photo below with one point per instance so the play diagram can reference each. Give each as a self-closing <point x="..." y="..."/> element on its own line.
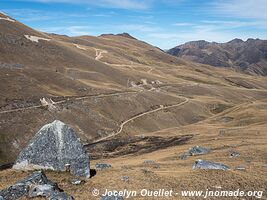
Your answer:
<point x="163" y="23"/>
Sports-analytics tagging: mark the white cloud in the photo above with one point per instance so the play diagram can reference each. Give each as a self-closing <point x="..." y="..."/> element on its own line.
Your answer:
<point x="255" y="9"/>
<point x="122" y="4"/>
<point x="69" y="30"/>
<point x="183" y="24"/>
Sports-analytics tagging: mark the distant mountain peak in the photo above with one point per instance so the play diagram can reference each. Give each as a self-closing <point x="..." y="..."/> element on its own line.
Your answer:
<point x="236" y="40"/>
<point x="249" y="56"/>
<point x="127" y="35"/>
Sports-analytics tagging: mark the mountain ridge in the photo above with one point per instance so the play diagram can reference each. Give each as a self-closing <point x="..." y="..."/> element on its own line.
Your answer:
<point x="249" y="56"/>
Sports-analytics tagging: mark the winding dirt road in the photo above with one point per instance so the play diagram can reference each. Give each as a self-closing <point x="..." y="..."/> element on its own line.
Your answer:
<point x="138" y="116"/>
<point x="63" y="101"/>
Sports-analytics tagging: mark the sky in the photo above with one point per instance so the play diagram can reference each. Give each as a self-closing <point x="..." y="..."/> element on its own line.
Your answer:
<point x="163" y="23"/>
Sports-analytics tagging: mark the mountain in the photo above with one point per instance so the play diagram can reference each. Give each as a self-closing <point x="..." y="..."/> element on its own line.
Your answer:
<point x="249" y="56"/>
<point x="134" y="107"/>
<point x="127" y="35"/>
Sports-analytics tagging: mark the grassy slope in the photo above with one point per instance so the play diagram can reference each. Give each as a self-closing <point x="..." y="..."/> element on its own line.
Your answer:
<point x="219" y="99"/>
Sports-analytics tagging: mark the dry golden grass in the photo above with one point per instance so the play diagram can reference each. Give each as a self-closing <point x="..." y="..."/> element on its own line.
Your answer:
<point x="226" y="111"/>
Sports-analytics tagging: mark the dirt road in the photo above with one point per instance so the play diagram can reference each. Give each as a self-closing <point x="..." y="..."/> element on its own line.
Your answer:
<point x="138" y="116"/>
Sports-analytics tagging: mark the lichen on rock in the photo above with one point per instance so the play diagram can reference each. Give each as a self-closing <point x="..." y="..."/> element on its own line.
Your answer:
<point x="54" y="147"/>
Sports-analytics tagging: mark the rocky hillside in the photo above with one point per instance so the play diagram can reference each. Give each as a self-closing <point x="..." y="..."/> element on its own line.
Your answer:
<point x="104" y="86"/>
<point x="249" y="56"/>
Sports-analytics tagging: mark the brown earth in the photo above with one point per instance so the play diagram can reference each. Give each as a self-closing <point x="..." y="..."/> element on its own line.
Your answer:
<point x="223" y="110"/>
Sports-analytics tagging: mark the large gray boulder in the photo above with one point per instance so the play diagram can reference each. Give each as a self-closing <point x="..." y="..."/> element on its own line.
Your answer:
<point x="35" y="185"/>
<point x="203" y="164"/>
<point x="55" y="147"/>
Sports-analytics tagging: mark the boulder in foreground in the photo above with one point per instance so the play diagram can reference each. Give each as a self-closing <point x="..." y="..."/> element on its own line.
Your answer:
<point x="55" y="147"/>
<point x="35" y="185"/>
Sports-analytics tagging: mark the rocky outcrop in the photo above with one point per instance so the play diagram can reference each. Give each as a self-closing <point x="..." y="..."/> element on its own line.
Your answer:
<point x="55" y="147"/>
<point x="203" y="164"/>
<point x="197" y="150"/>
<point x="249" y="56"/>
<point x="35" y="185"/>
<point x="194" y="151"/>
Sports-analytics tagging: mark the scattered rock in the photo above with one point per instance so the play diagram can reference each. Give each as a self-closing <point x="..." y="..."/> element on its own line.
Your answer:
<point x="54" y="147"/>
<point x="149" y="162"/>
<point x="198" y="151"/>
<point x="234" y="154"/>
<point x="102" y="166"/>
<point x="203" y="164"/>
<point x="76" y="181"/>
<point x="142" y="136"/>
<point x="226" y="119"/>
<point x="146" y="171"/>
<point x="240" y="168"/>
<point x="217" y="187"/>
<point x="125" y="178"/>
<point x="156" y="166"/>
<point x="35" y="185"/>
<point x="184" y="156"/>
<point x="113" y="197"/>
<point x="61" y="196"/>
<point x="152" y="163"/>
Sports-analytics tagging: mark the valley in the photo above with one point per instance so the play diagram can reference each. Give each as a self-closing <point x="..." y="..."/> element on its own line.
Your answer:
<point x="130" y="102"/>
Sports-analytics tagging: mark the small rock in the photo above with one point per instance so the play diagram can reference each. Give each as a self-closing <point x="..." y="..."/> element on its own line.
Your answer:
<point x="76" y="182"/>
<point x="60" y="196"/>
<point x="241" y="168"/>
<point x="102" y="166"/>
<point x="217" y="187"/>
<point x="156" y="166"/>
<point x="146" y="171"/>
<point x="184" y="156"/>
<point x="234" y="154"/>
<point x="142" y="136"/>
<point x="203" y="164"/>
<point x="198" y="151"/>
<point x="125" y="178"/>
<point x="113" y="197"/>
<point x="149" y="162"/>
